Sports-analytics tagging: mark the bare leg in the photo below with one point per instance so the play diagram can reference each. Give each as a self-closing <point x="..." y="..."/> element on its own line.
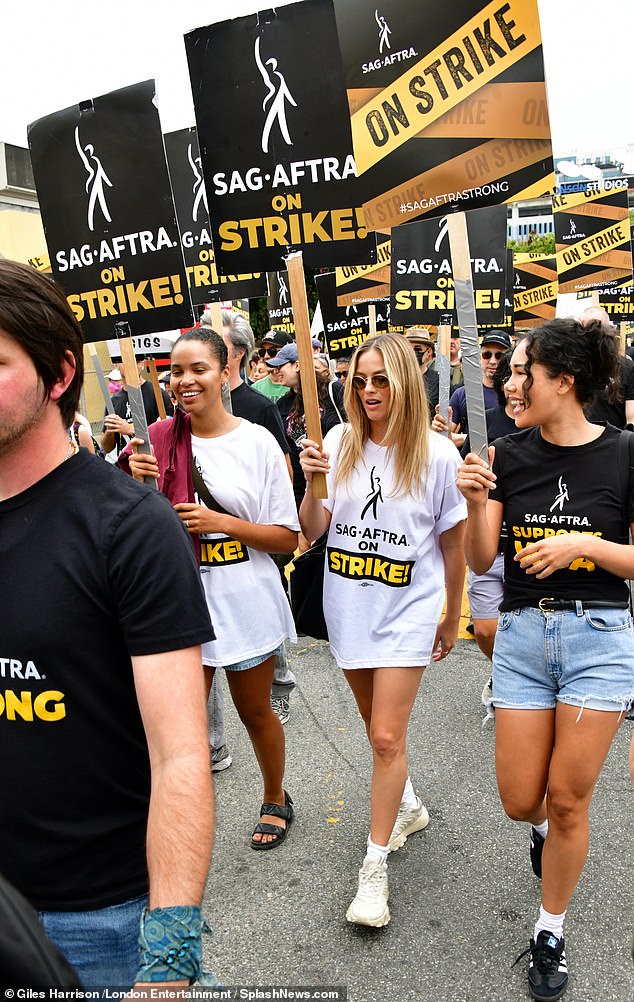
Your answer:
<point x="581" y="747"/>
<point x="484" y="631"/>
<point x="251" y="694"/>
<point x="385" y="697"/>
<point x="524" y="742"/>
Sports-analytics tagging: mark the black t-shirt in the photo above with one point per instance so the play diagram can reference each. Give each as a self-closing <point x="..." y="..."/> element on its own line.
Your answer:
<point x="295" y="430"/>
<point x="548" y="490"/>
<point x="604" y="411"/>
<point x="252" y="406"/>
<point x="499" y="424"/>
<point x="96" y="568"/>
<point x="121" y="406"/>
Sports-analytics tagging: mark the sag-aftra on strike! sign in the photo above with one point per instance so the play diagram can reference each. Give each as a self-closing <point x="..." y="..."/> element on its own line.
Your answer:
<point x="447" y="105"/>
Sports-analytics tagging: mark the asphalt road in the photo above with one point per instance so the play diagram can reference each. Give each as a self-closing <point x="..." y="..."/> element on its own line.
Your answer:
<point x="463" y="898"/>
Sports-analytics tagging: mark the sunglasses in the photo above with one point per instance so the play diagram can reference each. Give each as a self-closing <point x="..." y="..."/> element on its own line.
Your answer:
<point x="268" y="352"/>
<point x="380" y="380"/>
<point x="343" y="373"/>
<point x="486" y="355"/>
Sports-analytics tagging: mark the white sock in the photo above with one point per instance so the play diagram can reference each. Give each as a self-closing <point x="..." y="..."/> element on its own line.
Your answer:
<point x="550" y="923"/>
<point x="542" y="829"/>
<point x="376" y="853"/>
<point x="409" y="799"/>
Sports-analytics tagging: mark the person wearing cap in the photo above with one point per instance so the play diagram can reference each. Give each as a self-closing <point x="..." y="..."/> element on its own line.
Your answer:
<point x="118" y="428"/>
<point x="493" y="347"/>
<point x="291" y="408"/>
<point x="271" y="386"/>
<point x="423" y="345"/>
<point x="114" y="382"/>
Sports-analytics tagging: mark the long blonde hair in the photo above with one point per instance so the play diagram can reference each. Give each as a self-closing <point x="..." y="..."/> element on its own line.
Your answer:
<point x="407" y="435"/>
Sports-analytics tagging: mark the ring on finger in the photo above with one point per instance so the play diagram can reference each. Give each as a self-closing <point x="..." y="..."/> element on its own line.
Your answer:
<point x="187" y="523"/>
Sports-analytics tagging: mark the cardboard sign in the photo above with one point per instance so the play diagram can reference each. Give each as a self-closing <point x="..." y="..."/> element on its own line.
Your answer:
<point x="592" y="235"/>
<point x="447" y="103"/>
<point x="190" y="198"/>
<point x="274" y="134"/>
<point x="535" y="289"/>
<point x="360" y="283"/>
<point x="422" y="274"/>
<point x="507" y="322"/>
<point x="279" y="306"/>
<point x="157" y="345"/>
<point x="346" y="327"/>
<point x="108" y="214"/>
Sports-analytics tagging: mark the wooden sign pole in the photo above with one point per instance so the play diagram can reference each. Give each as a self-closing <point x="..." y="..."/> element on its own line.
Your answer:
<point x="101" y="379"/>
<point x="371" y="320"/>
<point x="467" y="322"/>
<point x="216" y="322"/>
<point x="299" y="301"/>
<point x="623" y="336"/>
<point x="150" y="365"/>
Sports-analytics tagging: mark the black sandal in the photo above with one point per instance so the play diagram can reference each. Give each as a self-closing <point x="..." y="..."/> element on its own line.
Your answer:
<point x="264" y="828"/>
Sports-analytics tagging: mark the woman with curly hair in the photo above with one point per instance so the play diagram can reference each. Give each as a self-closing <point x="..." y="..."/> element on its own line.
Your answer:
<point x="563" y="660"/>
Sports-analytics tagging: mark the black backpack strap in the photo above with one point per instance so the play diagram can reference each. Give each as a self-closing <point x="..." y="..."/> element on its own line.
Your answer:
<point x="203" y="491"/>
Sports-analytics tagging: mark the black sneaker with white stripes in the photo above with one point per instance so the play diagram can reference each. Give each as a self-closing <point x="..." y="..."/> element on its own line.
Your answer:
<point x="547" y="971"/>
<point x="537" y="847"/>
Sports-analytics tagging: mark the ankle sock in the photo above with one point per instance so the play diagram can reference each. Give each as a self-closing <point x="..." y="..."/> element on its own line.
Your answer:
<point x="542" y="829"/>
<point x="550" y="923"/>
<point x="409" y="797"/>
<point x="376" y="853"/>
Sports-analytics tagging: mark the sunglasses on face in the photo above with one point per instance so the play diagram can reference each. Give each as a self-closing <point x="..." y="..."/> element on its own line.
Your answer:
<point x="380" y="380"/>
<point x="268" y="352"/>
<point x="343" y="373"/>
<point x="497" y="355"/>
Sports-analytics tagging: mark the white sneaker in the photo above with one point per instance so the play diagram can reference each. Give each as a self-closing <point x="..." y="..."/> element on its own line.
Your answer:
<point x="408" y="821"/>
<point x="369" y="906"/>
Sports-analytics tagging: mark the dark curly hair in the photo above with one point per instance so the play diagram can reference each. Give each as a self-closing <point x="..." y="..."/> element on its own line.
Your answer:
<point x="500" y="376"/>
<point x="214" y="342"/>
<point x="587" y="353"/>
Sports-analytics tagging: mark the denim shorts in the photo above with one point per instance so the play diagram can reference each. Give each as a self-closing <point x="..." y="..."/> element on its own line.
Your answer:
<point x="251" y="662"/>
<point x="584" y="658"/>
<point x="485" y="591"/>
<point x="102" y="945"/>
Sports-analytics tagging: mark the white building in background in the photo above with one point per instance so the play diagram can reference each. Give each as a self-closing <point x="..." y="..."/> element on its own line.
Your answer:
<point x="21" y="231"/>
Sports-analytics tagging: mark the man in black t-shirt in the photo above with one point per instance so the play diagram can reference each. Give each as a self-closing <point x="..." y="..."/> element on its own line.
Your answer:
<point x="119" y="424"/>
<point x="105" y="792"/>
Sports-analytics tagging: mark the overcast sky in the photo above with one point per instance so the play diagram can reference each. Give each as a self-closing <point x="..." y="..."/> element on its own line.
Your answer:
<point x="55" y="53"/>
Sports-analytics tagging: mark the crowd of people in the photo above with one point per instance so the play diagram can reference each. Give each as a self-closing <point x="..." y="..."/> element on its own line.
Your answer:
<point x="128" y="640"/>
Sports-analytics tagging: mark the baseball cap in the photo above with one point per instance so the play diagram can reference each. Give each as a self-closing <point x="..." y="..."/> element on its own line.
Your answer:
<point x="497" y="337"/>
<point x="115" y="375"/>
<point x="286" y="354"/>
<point x="280" y="338"/>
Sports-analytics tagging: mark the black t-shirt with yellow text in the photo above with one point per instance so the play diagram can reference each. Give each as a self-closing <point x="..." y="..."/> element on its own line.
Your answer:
<point x="548" y="490"/>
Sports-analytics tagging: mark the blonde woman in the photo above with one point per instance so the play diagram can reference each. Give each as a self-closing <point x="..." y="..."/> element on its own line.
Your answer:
<point x="395" y="522"/>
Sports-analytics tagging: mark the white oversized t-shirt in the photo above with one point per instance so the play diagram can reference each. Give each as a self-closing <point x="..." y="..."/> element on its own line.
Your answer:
<point x="384" y="578"/>
<point x="245" y="471"/>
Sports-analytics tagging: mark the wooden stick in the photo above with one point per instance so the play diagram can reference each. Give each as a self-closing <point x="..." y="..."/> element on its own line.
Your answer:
<point x="297" y="286"/>
<point x="101" y="379"/>
<point x="216" y="317"/>
<point x="623" y="336"/>
<point x="371" y="320"/>
<point x="150" y="365"/>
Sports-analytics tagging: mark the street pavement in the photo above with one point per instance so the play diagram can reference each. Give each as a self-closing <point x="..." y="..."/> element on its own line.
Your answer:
<point x="463" y="897"/>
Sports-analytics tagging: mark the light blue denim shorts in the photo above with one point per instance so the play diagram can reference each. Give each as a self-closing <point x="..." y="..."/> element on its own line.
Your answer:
<point x="584" y="658"/>
<point x="251" y="662"/>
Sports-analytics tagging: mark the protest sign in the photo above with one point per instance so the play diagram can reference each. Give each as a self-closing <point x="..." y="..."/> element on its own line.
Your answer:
<point x="507" y="321"/>
<point x="157" y="345"/>
<point x="108" y="214"/>
<point x="592" y="236"/>
<point x="274" y="134"/>
<point x="346" y="327"/>
<point x="279" y="306"/>
<point x="190" y="199"/>
<point x="447" y="104"/>
<point x="422" y="273"/>
<point x="358" y="283"/>
<point x="535" y="289"/>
